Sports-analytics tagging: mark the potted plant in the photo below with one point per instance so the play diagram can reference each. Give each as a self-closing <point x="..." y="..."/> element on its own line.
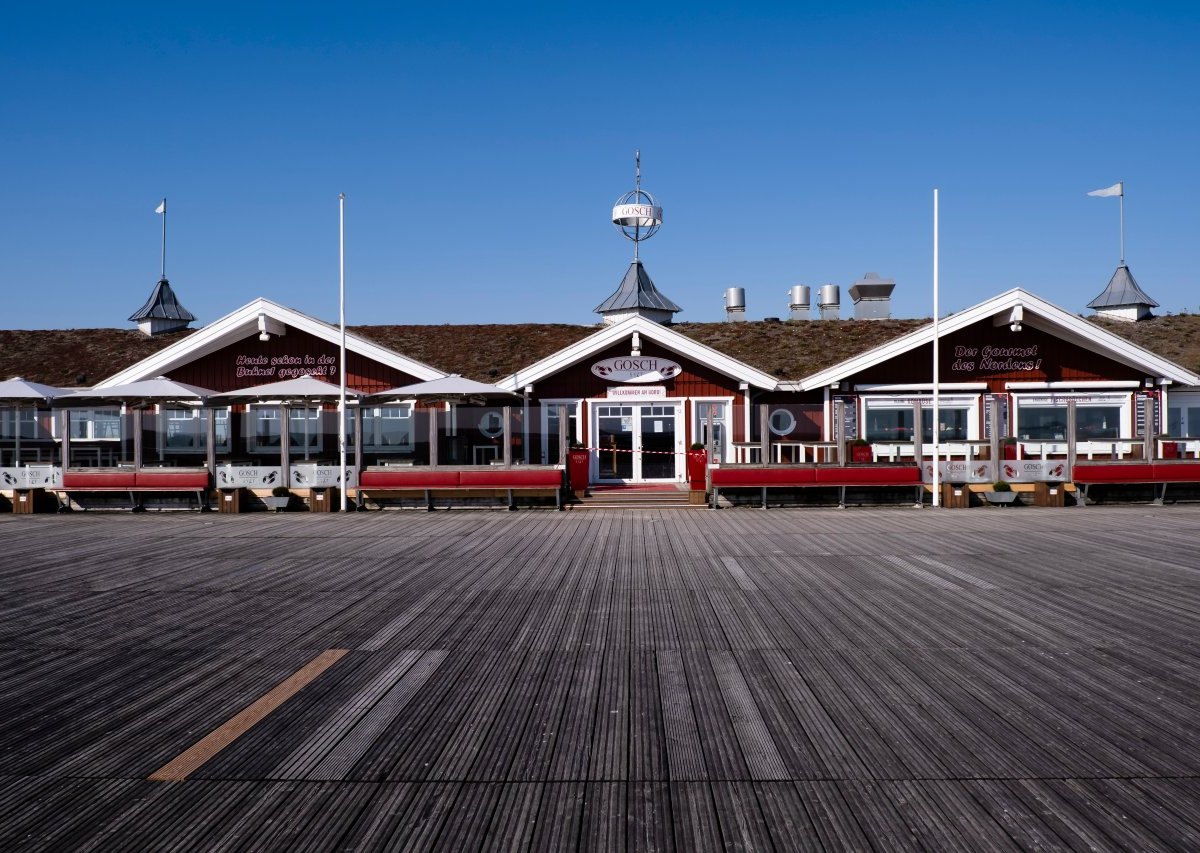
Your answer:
<point x="1001" y="494"/>
<point x="279" y="498"/>
<point x="860" y="451"/>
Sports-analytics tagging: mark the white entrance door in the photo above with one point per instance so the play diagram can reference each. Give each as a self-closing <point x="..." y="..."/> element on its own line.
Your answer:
<point x="638" y="443"/>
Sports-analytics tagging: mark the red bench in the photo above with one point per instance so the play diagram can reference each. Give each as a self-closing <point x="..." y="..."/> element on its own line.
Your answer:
<point x="1135" y="473"/>
<point x="136" y="483"/>
<point x="827" y="476"/>
<point x="463" y="482"/>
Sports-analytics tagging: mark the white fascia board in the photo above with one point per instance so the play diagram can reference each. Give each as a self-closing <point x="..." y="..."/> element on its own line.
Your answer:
<point x="606" y="337"/>
<point x="242" y="323"/>
<point x="1037" y="313"/>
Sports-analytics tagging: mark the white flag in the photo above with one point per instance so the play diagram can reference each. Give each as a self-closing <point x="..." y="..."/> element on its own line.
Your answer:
<point x="162" y="207"/>
<point x="1116" y="189"/>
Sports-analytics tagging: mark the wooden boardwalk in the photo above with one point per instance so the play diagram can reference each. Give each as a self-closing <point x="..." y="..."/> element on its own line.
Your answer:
<point x="877" y="679"/>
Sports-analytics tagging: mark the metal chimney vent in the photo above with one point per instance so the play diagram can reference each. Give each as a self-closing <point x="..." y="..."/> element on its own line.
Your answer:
<point x="830" y="302"/>
<point x="735" y="304"/>
<point x="800" y="301"/>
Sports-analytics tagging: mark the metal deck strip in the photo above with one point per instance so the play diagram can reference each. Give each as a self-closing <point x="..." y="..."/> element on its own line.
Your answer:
<point x="192" y="758"/>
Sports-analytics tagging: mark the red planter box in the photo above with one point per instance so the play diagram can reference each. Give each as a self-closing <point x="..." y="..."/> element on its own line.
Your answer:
<point x="697" y="464"/>
<point x="578" y="465"/>
<point x="861" y="453"/>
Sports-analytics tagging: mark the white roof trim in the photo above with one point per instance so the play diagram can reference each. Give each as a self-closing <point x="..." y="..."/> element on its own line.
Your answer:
<point x="243" y="323"/>
<point x="610" y="335"/>
<point x="1037" y="313"/>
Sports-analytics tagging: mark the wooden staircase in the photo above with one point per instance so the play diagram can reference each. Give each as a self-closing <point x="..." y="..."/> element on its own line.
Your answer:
<point x="668" y="496"/>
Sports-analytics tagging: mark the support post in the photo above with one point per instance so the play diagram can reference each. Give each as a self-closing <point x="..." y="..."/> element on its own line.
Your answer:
<point x="764" y="438"/>
<point x="507" y="433"/>
<point x="1072" y="450"/>
<point x="433" y="440"/>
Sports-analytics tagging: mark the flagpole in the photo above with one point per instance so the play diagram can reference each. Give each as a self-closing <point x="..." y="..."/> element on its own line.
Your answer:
<point x="1122" y="183"/>
<point x="936" y="372"/>
<point x="342" y="356"/>
<point x="164" y="240"/>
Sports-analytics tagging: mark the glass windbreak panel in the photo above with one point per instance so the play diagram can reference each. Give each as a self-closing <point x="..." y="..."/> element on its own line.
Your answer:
<point x="264" y="429"/>
<point x="614" y="433"/>
<point x="304" y="430"/>
<point x="953" y="424"/>
<point x="549" y="438"/>
<point x="890" y="424"/>
<point x="1097" y="422"/>
<point x="658" y="442"/>
<point x="387" y="429"/>
<point x="717" y="412"/>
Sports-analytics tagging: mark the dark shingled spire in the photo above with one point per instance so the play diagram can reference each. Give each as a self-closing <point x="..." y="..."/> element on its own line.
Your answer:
<point x="638" y="295"/>
<point x="162" y="311"/>
<point x="163" y="304"/>
<point x="1122" y="292"/>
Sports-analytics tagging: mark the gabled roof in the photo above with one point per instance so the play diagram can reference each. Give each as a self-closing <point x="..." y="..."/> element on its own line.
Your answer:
<point x="244" y="322"/>
<point x="163" y="304"/>
<point x="648" y="330"/>
<point x="1122" y="292"/>
<point x="636" y="291"/>
<point x="1035" y="312"/>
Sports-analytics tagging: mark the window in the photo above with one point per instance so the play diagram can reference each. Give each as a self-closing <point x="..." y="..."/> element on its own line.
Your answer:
<point x="1183" y="415"/>
<point x="1097" y="416"/>
<point x="491" y="424"/>
<point x="304" y="428"/>
<point x="10" y="417"/>
<point x="95" y="424"/>
<point x="891" y="418"/>
<point x="781" y="422"/>
<point x="700" y="430"/>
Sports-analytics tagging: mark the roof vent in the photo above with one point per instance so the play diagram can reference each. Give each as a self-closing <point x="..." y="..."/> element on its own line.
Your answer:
<point x="800" y="301"/>
<point x="735" y="304"/>
<point x="1123" y="299"/>
<point x="872" y="297"/>
<point x="830" y="302"/>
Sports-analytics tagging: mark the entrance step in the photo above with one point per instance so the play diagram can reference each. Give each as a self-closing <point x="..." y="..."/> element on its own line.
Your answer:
<point x="635" y="497"/>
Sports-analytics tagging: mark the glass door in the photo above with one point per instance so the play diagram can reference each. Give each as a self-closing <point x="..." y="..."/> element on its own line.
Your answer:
<point x="657" y="433"/>
<point x="615" y="443"/>
<point x="637" y="443"/>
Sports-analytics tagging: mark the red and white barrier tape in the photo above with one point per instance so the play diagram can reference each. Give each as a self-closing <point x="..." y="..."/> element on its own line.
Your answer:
<point x="622" y="450"/>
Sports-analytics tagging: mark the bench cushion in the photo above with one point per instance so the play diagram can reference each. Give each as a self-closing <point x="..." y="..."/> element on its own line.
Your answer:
<point x="737" y="477"/>
<point x="408" y="479"/>
<point x="874" y="475"/>
<point x="513" y="478"/>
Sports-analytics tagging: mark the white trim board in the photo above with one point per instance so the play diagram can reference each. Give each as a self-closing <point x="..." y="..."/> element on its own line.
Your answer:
<point x="648" y="330"/>
<point x="1037" y="313"/>
<point x="241" y="324"/>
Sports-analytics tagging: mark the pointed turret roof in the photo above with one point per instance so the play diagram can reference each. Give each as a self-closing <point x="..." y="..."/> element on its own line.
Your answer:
<point x="163" y="304"/>
<point x="637" y="291"/>
<point x="1122" y="292"/>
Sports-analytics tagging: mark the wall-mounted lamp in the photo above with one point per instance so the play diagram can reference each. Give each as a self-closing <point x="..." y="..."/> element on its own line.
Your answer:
<point x="636" y="348"/>
<point x="1015" y="318"/>
<point x="268" y="327"/>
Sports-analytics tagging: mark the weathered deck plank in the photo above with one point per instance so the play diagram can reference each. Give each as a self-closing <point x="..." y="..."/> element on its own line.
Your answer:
<point x="799" y="679"/>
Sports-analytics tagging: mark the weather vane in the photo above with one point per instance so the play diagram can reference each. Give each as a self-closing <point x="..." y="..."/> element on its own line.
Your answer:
<point x="636" y="214"/>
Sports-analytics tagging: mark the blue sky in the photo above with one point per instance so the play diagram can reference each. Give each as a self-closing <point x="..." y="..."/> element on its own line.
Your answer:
<point x="481" y="148"/>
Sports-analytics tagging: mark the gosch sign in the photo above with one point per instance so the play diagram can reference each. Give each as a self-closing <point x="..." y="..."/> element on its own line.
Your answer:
<point x="636" y="368"/>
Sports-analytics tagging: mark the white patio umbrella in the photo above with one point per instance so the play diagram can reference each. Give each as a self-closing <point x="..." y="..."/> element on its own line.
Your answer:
<point x="140" y="394"/>
<point x="20" y="392"/>
<point x="452" y="388"/>
<point x="160" y="389"/>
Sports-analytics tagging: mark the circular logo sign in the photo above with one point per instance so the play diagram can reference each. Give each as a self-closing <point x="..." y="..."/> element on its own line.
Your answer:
<point x="636" y="368"/>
